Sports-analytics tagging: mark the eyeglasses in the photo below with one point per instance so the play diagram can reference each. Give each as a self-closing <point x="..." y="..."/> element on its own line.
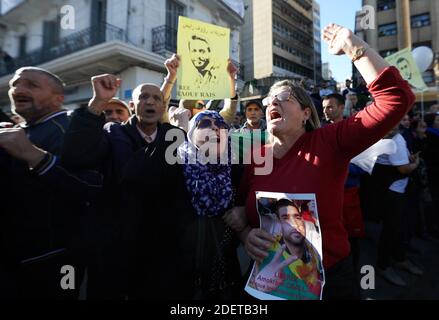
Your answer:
<point x="199" y="105"/>
<point x="207" y="123"/>
<point x="281" y="97"/>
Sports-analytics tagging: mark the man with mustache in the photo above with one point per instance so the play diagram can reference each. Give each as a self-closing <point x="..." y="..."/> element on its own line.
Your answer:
<point x="40" y="221"/>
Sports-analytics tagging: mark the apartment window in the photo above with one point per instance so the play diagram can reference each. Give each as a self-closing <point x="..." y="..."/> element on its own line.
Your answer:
<point x="421" y="20"/>
<point x="22" y="46"/>
<point x="383" y="5"/>
<point x="98" y="14"/>
<point x="387" y="30"/>
<point x="291" y="66"/>
<point x="51" y="33"/>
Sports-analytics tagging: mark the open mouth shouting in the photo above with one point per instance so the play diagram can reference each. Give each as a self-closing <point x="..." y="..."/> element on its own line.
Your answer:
<point x="274" y="115"/>
<point x="19" y="100"/>
<point x="150" y="112"/>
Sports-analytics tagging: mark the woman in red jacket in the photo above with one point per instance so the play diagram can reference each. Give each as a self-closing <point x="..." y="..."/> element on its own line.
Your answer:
<point x="312" y="160"/>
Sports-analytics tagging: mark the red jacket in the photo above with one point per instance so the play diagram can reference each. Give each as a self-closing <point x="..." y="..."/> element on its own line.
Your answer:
<point x="318" y="162"/>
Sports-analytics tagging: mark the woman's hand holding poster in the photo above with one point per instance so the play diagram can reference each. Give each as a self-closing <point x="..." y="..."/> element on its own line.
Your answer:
<point x="293" y="269"/>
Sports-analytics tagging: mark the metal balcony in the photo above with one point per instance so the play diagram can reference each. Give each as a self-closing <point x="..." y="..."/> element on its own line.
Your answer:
<point x="164" y="39"/>
<point x="78" y="41"/>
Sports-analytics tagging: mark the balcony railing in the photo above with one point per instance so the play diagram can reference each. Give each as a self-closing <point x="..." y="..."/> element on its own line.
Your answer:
<point x="76" y="42"/>
<point x="164" y="38"/>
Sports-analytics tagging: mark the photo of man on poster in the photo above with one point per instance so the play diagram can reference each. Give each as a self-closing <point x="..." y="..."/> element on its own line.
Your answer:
<point x="201" y="57"/>
<point x="293" y="268"/>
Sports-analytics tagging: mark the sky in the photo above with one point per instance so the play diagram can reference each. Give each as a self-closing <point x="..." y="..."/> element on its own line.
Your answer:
<point x="341" y="12"/>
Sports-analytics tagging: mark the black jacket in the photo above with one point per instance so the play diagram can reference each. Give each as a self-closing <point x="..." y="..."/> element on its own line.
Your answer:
<point x="43" y="210"/>
<point x="144" y="211"/>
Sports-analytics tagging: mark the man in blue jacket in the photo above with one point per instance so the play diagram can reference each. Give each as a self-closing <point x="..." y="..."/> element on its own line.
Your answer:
<point x="43" y="205"/>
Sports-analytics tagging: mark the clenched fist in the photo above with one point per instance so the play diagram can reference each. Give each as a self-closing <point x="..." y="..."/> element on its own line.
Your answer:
<point x="105" y="87"/>
<point x="172" y="65"/>
<point x="15" y="142"/>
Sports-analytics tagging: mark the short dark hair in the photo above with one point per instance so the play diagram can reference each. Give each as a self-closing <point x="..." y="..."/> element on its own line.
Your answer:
<point x="286" y="203"/>
<point x="256" y="102"/>
<point x="195" y="37"/>
<point x="402" y="59"/>
<point x="58" y="84"/>
<point x="340" y="99"/>
<point x="429" y="119"/>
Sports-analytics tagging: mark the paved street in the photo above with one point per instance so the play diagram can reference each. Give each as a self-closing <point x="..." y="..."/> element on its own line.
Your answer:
<point x="425" y="287"/>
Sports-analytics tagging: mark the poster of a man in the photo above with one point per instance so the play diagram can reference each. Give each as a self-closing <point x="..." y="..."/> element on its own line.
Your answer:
<point x="405" y="69"/>
<point x="293" y="269"/>
<point x="200" y="53"/>
<point x="204" y="50"/>
<point x="408" y="68"/>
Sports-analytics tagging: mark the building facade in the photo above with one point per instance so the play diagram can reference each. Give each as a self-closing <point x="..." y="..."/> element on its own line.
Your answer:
<point x="317" y="43"/>
<point x="326" y="71"/>
<point x="129" y="38"/>
<point x="399" y="24"/>
<point x="277" y="42"/>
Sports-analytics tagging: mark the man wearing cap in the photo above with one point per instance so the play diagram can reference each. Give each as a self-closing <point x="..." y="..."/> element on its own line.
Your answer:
<point x="117" y="111"/>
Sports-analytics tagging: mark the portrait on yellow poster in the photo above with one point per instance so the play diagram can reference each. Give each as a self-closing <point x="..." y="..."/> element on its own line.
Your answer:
<point x="204" y="51"/>
<point x="406" y="65"/>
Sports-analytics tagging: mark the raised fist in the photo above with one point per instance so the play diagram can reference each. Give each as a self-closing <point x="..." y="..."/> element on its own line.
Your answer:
<point x="105" y="87"/>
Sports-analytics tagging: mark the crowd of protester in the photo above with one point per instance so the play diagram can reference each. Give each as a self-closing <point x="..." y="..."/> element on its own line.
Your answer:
<point x="94" y="189"/>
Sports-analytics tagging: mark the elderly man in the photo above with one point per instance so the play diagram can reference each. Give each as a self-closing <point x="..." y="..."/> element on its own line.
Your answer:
<point x="141" y="202"/>
<point x="42" y="202"/>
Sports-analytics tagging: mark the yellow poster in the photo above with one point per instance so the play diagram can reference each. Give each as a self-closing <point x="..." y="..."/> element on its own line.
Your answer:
<point x="404" y="61"/>
<point x="204" y="50"/>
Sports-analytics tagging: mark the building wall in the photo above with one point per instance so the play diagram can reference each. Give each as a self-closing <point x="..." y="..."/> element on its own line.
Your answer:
<point x="136" y="17"/>
<point x="425" y="35"/>
<point x="144" y="16"/>
<point x="247" y="41"/>
<point x="263" y="38"/>
<point x="277" y="39"/>
<point x="317" y="42"/>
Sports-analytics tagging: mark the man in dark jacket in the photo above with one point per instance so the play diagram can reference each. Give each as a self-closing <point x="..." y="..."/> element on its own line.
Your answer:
<point x="143" y="209"/>
<point x="42" y="203"/>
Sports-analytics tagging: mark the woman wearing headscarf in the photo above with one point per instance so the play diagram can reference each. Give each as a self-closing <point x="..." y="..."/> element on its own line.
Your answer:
<point x="210" y="180"/>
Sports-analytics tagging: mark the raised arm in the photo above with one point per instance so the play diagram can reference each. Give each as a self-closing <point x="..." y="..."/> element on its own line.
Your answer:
<point x="172" y="64"/>
<point x="342" y="41"/>
<point x="45" y="166"/>
<point x="228" y="112"/>
<point x="393" y="96"/>
<point x="85" y="144"/>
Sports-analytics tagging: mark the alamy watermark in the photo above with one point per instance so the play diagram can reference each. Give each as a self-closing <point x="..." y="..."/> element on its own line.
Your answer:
<point x="67" y="17"/>
<point x="367" y="18"/>
<point x="367" y="281"/>
<point x="220" y="149"/>
<point x="68" y="280"/>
